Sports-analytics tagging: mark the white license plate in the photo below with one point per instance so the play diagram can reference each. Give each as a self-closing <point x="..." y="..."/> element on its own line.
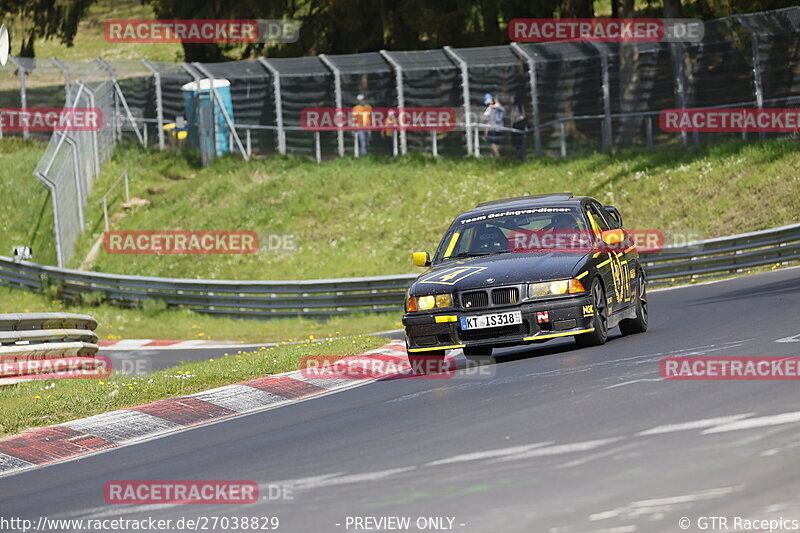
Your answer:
<point x="491" y="321"/>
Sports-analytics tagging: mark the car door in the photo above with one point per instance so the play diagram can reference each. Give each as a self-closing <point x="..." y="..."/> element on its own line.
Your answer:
<point x="614" y="268"/>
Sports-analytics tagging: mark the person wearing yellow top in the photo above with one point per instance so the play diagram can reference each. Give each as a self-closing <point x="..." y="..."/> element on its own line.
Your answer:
<point x="362" y="111"/>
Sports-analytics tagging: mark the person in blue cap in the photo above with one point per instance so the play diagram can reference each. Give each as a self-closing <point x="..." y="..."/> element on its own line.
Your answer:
<point x="494" y="114"/>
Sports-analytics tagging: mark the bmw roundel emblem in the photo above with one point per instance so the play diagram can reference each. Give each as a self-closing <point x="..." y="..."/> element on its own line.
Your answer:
<point x="489" y="280"/>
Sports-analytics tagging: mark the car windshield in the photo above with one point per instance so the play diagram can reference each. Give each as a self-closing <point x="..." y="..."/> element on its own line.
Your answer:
<point x="506" y="231"/>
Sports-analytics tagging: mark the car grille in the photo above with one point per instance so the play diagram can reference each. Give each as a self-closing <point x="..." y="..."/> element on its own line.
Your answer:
<point x="505" y="296"/>
<point x="474" y="299"/>
<point x="516" y="330"/>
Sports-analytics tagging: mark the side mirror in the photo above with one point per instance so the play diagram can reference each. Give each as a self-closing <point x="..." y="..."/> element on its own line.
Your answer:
<point x="613" y="236"/>
<point x="614" y="213"/>
<point x="421" y="259"/>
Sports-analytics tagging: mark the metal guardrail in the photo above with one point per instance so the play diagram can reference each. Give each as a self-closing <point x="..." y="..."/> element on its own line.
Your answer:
<point x="28" y="341"/>
<point x="327" y="297"/>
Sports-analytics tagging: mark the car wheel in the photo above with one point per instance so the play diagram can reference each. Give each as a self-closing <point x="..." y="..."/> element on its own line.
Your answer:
<point x="629" y="326"/>
<point x="599" y="320"/>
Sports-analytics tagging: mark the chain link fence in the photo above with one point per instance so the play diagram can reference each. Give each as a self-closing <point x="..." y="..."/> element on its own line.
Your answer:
<point x="577" y="97"/>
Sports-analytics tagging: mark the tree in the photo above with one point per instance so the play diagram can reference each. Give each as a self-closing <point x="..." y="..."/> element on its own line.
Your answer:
<point x="45" y="19"/>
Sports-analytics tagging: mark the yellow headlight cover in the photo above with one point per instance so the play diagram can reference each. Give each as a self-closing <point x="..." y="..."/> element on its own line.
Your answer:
<point x="426" y="303"/>
<point x="444" y="300"/>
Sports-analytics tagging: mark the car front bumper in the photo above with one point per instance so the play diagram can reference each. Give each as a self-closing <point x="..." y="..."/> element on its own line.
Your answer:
<point x="442" y="331"/>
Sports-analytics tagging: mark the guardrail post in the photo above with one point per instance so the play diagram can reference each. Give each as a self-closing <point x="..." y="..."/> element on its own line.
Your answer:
<point x="317" y="148"/>
<point x="563" y="138"/>
<point x="434" y="145"/>
<point x="649" y="132"/>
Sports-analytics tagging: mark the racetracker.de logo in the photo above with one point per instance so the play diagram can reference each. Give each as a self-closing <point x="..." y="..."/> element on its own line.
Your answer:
<point x="201" y="31"/>
<point x="55" y="367"/>
<point x="379" y="118"/>
<point x="168" y="491"/>
<point x="707" y="120"/>
<point x="628" y="30"/>
<point x="51" y="118"/>
<point x="730" y="368"/>
<point x="180" y="242"/>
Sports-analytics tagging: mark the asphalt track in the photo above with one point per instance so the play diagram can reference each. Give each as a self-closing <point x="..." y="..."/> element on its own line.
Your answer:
<point x="556" y="440"/>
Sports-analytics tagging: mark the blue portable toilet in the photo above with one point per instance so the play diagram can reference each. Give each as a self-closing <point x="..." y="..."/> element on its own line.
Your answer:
<point x="197" y="94"/>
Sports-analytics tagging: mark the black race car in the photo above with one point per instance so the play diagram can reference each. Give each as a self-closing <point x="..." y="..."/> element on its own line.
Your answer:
<point x="526" y="270"/>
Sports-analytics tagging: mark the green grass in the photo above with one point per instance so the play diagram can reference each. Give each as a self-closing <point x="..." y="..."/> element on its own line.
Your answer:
<point x="46" y="402"/>
<point x="90" y="43"/>
<point x="122" y="323"/>
<point x="362" y="217"/>
<point x="26" y="216"/>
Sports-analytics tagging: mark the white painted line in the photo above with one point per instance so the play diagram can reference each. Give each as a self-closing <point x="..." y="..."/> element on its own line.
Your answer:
<point x="793" y="338"/>
<point x="239" y="398"/>
<point x="695" y="424"/>
<point x="122" y="426"/>
<point x="488" y="454"/>
<point x="559" y="449"/>
<point x="785" y="418"/>
<point x="12" y="463"/>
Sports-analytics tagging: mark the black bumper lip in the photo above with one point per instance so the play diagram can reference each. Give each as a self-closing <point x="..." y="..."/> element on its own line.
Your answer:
<point x="559" y="309"/>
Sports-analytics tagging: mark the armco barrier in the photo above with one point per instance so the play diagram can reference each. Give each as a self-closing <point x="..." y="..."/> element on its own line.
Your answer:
<point x="323" y="298"/>
<point x="29" y="341"/>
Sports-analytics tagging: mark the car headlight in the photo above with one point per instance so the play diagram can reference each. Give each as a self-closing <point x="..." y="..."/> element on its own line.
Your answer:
<point x="428" y="302"/>
<point x="555" y="288"/>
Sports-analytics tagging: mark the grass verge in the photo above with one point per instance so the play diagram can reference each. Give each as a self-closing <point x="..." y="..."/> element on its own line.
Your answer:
<point x="42" y="403"/>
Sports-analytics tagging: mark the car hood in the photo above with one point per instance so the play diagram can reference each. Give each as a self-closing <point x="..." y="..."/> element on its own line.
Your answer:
<point x="501" y="269"/>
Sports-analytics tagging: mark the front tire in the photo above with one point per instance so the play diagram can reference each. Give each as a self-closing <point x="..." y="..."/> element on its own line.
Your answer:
<point x="599" y="320"/>
<point x="629" y="326"/>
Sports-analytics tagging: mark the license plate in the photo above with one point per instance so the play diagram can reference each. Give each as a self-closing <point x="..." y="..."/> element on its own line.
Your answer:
<point x="491" y="321"/>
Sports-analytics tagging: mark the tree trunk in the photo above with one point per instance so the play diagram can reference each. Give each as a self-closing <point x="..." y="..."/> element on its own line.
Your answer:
<point x="672" y="9"/>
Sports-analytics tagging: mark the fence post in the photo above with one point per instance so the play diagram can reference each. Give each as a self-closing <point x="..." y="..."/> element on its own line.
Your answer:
<point x="462" y="65"/>
<point x="317" y="148"/>
<point x="434" y="144"/>
<point x="758" y="87"/>
<point x="680" y="82"/>
<point x="23" y="95"/>
<point x="649" y="132"/>
<point x="606" y="131"/>
<point x="563" y="131"/>
<point x="57" y="225"/>
<point x="537" y="131"/>
<point x="401" y="100"/>
<point x="337" y="86"/>
<point x="58" y="63"/>
<point x="276" y="85"/>
<point x="121" y="98"/>
<point x="95" y="144"/>
<point x="159" y="102"/>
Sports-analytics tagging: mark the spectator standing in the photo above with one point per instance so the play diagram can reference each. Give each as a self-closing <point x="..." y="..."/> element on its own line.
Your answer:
<point x="495" y="115"/>
<point x="363" y="114"/>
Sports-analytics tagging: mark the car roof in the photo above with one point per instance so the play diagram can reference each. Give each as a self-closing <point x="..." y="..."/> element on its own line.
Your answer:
<point x="564" y="198"/>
